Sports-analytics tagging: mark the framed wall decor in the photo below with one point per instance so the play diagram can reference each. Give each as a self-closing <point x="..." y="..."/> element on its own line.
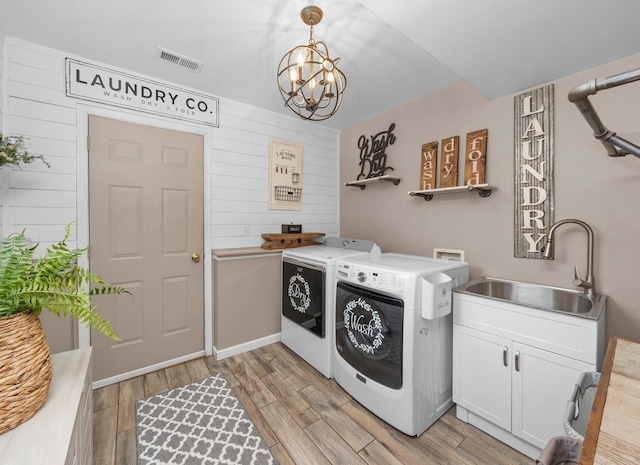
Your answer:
<point x="285" y="175"/>
<point x="533" y="177"/>
<point x="449" y="162"/>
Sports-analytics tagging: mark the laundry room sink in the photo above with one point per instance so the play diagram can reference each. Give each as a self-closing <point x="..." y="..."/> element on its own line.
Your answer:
<point x="528" y="342"/>
<point x="537" y="296"/>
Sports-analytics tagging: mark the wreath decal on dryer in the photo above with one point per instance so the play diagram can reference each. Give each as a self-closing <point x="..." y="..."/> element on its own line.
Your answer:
<point x="299" y="300"/>
<point x="352" y="323"/>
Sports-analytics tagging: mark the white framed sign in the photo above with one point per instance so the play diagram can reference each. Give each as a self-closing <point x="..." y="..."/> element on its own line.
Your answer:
<point x="285" y="175"/>
<point x="99" y="84"/>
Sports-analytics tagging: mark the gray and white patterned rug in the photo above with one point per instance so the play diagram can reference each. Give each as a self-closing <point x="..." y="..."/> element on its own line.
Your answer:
<point x="202" y="423"/>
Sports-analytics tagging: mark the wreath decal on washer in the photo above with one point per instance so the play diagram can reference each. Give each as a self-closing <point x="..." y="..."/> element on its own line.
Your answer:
<point x="300" y="300"/>
<point x="370" y="336"/>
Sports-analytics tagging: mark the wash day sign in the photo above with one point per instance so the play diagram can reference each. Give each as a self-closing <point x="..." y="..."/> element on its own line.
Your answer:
<point x="98" y="84"/>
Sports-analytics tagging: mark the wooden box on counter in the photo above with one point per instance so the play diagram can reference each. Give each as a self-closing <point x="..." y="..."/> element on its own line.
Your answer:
<point x="274" y="241"/>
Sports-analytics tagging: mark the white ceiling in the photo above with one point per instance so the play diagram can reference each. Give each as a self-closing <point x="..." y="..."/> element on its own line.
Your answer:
<point x="391" y="51"/>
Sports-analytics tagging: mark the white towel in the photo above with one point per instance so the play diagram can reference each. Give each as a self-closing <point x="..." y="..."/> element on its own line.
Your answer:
<point x="560" y="450"/>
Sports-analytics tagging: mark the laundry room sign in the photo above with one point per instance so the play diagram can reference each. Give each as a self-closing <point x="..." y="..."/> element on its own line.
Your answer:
<point x="285" y="175"/>
<point x="373" y="153"/>
<point x="533" y="146"/>
<point x="112" y="87"/>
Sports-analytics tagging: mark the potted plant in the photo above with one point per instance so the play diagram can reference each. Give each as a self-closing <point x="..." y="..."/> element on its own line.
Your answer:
<point x="14" y="152"/>
<point x="56" y="283"/>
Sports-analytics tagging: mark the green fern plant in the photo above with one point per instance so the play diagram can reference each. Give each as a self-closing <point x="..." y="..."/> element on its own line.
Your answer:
<point x="54" y="282"/>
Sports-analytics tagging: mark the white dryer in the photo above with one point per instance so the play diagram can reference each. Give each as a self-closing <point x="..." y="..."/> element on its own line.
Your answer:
<point x="308" y="297"/>
<point x="394" y="331"/>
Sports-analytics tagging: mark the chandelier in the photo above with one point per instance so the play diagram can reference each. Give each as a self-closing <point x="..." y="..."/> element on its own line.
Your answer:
<point x="309" y="81"/>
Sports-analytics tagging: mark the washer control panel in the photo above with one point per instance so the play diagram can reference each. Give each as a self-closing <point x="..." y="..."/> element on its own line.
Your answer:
<point x="371" y="277"/>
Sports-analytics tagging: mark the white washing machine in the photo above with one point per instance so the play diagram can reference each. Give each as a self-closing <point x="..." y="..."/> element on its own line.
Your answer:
<point x="308" y="297"/>
<point x="394" y="332"/>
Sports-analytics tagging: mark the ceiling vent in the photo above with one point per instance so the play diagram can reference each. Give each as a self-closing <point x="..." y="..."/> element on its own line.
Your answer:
<point x="179" y="60"/>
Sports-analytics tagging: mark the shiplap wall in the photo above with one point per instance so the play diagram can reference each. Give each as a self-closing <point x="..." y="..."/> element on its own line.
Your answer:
<point x="1" y="75"/>
<point x="2" y="104"/>
<point x="44" y="199"/>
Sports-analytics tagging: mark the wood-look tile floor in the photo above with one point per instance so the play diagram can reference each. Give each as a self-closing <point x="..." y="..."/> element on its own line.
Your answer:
<point x="304" y="418"/>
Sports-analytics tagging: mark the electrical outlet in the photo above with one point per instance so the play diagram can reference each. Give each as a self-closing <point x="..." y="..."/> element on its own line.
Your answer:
<point x="244" y="230"/>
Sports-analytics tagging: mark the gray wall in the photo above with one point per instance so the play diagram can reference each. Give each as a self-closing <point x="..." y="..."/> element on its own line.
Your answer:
<point x="247" y="303"/>
<point x="589" y="186"/>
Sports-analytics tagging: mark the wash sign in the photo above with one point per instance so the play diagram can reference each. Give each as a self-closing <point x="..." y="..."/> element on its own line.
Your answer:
<point x="91" y="82"/>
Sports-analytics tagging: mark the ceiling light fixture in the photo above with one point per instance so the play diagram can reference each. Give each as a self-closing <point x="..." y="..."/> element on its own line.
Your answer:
<point x="309" y="81"/>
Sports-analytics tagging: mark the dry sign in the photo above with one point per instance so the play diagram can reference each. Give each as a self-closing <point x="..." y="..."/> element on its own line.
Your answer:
<point x="449" y="162"/>
<point x="533" y="140"/>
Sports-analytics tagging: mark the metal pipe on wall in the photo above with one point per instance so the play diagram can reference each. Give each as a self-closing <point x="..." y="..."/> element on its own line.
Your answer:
<point x="615" y="145"/>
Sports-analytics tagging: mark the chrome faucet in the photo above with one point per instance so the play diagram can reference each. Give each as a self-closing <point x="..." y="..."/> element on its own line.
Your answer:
<point x="547" y="252"/>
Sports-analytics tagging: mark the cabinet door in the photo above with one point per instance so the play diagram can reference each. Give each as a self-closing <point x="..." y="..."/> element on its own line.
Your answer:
<point x="542" y="384"/>
<point x="482" y="374"/>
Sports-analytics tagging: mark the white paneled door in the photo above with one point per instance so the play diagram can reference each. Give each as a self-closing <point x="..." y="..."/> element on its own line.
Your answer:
<point x="146" y="234"/>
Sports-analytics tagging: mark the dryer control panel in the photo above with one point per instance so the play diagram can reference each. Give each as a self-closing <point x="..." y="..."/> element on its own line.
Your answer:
<point x="393" y="282"/>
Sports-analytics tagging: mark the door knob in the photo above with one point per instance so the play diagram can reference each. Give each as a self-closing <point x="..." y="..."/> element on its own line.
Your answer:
<point x="195" y="257"/>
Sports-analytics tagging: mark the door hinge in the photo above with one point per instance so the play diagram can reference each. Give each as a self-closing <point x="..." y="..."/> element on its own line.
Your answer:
<point x="89" y="252"/>
<point x="88" y="144"/>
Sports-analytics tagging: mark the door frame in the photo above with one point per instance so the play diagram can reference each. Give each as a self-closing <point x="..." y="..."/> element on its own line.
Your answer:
<point x="82" y="201"/>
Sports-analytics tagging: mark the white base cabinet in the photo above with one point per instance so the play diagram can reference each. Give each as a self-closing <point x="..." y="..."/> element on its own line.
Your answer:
<point x="514" y="368"/>
<point x="60" y="433"/>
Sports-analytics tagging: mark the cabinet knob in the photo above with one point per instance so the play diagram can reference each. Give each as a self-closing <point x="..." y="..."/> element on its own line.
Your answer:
<point x="517" y="360"/>
<point x="505" y="353"/>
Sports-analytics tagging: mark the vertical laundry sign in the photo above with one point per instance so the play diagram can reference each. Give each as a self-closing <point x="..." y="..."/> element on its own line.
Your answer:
<point x="96" y="83"/>
<point x="533" y="183"/>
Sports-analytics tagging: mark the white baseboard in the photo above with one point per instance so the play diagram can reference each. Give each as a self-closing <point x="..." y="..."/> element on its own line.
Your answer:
<point x="221" y="354"/>
<point x="502" y="435"/>
<point x="143" y="371"/>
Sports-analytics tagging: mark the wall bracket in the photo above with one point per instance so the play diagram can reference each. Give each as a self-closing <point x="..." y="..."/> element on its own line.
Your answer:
<point x="616" y="146"/>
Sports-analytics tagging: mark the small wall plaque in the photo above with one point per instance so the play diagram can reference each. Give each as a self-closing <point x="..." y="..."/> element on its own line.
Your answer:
<point x="428" y="165"/>
<point x="449" y="162"/>
<point x="476" y="157"/>
<point x="373" y="153"/>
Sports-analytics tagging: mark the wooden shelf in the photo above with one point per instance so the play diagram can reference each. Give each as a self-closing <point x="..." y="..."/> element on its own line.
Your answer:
<point x="273" y="241"/>
<point x="484" y="190"/>
<point x="362" y="183"/>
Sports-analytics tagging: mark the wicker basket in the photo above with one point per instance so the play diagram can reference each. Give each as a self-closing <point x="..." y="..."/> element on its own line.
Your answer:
<point x="25" y="369"/>
<point x="576" y="417"/>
